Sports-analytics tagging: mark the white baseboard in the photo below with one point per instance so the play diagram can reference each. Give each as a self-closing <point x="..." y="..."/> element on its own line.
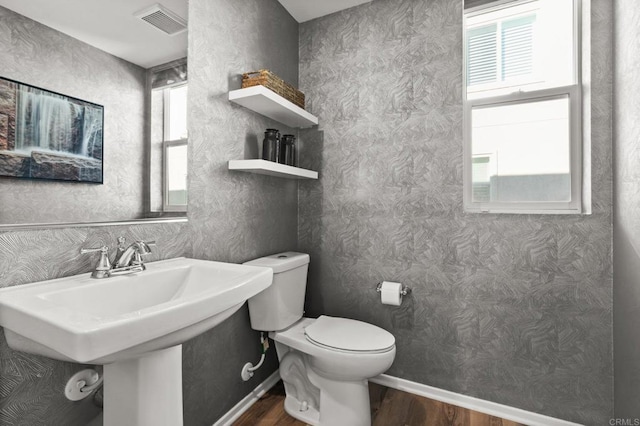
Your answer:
<point x="242" y="406"/>
<point x="487" y="407"/>
<point x="469" y="402"/>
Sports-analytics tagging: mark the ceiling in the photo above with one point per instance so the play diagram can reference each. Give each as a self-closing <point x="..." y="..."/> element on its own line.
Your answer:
<point x="306" y="10"/>
<point x="111" y="25"/>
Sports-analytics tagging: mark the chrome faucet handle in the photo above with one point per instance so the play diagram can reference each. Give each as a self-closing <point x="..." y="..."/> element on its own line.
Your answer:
<point x="144" y="247"/>
<point x="103" y="249"/>
<point x="104" y="265"/>
<point x="137" y="260"/>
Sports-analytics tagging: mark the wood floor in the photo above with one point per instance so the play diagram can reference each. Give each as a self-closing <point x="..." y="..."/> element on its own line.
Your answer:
<point x="389" y="407"/>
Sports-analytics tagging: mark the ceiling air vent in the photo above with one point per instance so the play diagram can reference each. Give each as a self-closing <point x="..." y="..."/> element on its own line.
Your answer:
<point x="163" y="19"/>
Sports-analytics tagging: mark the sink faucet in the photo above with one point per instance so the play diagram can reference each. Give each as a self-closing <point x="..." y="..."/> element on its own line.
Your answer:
<point x="128" y="260"/>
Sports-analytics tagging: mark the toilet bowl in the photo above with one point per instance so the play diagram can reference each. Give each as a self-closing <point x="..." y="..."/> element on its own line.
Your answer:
<point x="336" y="376"/>
<point x="325" y="363"/>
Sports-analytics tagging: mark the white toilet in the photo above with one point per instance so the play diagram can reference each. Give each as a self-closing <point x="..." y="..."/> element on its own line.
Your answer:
<point x="324" y="362"/>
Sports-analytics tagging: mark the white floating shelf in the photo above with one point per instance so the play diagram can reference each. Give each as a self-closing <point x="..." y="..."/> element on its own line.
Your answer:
<point x="264" y="167"/>
<point x="270" y="104"/>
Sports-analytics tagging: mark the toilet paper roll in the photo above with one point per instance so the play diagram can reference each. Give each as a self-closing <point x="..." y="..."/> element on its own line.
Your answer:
<point x="390" y="293"/>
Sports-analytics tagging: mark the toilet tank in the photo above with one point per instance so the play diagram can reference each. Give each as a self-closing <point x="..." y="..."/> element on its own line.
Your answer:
<point x="282" y="303"/>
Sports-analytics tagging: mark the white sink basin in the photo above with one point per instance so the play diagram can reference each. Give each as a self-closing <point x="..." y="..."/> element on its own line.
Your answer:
<point x="100" y="321"/>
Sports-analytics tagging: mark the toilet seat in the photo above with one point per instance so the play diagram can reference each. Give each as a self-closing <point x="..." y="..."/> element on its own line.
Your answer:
<point x="347" y="335"/>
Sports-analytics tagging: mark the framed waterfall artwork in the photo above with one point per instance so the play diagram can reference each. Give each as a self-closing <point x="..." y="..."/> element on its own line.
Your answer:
<point x="47" y="135"/>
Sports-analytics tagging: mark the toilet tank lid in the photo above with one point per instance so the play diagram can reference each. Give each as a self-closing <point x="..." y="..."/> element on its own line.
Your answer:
<point x="281" y="262"/>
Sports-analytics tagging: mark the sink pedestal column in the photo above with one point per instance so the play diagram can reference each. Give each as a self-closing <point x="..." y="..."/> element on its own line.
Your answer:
<point x="145" y="391"/>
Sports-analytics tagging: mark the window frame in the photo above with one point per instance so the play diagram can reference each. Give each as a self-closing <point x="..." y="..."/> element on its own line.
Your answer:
<point x="166" y="144"/>
<point x="574" y="94"/>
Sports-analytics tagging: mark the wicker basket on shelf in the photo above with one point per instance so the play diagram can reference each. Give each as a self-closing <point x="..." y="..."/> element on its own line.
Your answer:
<point x="271" y="81"/>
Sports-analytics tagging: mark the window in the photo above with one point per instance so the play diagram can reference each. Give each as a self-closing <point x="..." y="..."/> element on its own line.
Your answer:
<point x="175" y="148"/>
<point x="170" y="104"/>
<point x="522" y="108"/>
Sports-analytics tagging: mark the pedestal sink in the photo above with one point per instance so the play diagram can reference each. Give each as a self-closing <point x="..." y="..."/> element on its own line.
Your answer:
<point x="133" y="324"/>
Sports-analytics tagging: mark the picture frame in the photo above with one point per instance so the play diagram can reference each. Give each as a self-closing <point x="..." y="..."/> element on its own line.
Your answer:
<point x="48" y="135"/>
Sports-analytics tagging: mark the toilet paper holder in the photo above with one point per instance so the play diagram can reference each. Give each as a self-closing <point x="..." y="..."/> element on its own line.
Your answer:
<point x="405" y="290"/>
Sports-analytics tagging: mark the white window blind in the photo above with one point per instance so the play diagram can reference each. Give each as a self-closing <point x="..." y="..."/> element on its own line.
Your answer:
<point x="517" y="47"/>
<point x="501" y="51"/>
<point x="482" y="54"/>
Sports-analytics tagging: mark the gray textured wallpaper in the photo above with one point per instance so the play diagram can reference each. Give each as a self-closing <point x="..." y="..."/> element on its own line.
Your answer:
<point x="508" y="308"/>
<point x="626" y="267"/>
<point x="513" y="309"/>
<point x="234" y="216"/>
<point x="40" y="56"/>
